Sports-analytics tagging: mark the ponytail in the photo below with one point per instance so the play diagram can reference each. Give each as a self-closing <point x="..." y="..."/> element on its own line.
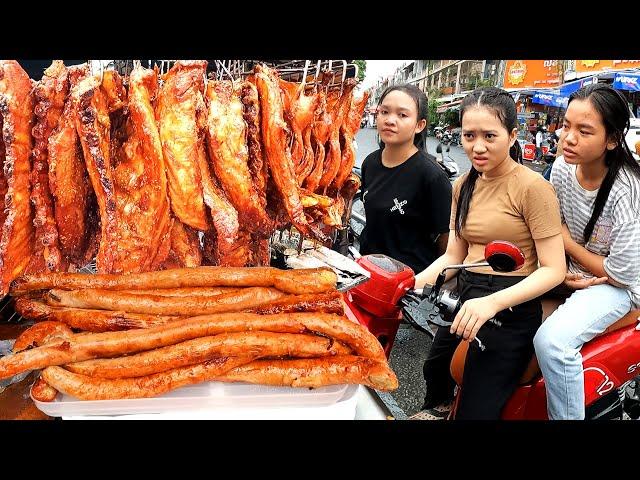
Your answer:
<point x="464" y="200"/>
<point x="515" y="152"/>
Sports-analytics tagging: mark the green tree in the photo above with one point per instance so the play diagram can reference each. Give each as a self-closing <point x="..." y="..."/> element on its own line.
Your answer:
<point x="433" y="95"/>
<point x="362" y="68"/>
<point x="452" y="117"/>
<point x="433" y="116"/>
<point x="475" y="80"/>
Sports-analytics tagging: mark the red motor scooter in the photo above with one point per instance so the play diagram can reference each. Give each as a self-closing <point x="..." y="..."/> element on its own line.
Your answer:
<point x="611" y="361"/>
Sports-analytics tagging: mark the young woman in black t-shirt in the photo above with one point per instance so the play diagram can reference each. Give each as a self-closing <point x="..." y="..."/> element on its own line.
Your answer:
<point x="406" y="195"/>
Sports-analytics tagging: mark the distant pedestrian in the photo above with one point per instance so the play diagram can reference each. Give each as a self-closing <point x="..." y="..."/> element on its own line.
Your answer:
<point x="539" y="139"/>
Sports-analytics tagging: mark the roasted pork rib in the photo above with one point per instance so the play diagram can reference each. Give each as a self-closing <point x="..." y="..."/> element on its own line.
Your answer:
<point x="94" y="130"/>
<point x="50" y="94"/>
<point x="75" y="208"/>
<point x="338" y="114"/>
<point x="176" y="114"/>
<point x="16" y="111"/>
<point x="229" y="155"/>
<point x="348" y="130"/>
<point x="141" y="186"/>
<point x="277" y="151"/>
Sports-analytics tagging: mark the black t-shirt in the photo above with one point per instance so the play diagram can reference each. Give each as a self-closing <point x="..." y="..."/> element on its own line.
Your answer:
<point x="406" y="207"/>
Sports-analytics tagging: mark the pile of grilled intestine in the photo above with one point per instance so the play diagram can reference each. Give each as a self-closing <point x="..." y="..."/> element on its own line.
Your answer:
<point x="145" y="173"/>
<point x="113" y="336"/>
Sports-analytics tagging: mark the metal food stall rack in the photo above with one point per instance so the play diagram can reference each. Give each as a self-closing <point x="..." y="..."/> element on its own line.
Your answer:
<point x="288" y="248"/>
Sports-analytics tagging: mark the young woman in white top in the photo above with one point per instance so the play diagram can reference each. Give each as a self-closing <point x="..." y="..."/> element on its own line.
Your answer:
<point x="597" y="182"/>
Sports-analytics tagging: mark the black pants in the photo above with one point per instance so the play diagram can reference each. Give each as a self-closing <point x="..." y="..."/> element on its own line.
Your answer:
<point x="490" y="376"/>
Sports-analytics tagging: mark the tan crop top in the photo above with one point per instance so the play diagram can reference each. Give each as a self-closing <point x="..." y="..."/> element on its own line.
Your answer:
<point x="519" y="206"/>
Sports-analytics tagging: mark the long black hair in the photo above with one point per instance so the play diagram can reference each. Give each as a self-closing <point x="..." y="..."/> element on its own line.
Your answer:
<point x="504" y="107"/>
<point x="422" y="105"/>
<point x="614" y="111"/>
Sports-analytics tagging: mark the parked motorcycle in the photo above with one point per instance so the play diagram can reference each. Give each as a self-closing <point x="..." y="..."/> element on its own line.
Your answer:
<point x="440" y="131"/>
<point x="446" y="138"/>
<point x="611" y="361"/>
<point x="447" y="163"/>
<point x="456" y="137"/>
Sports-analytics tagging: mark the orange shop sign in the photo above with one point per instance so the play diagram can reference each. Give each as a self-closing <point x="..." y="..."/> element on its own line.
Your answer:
<point x="593" y="66"/>
<point x="531" y="74"/>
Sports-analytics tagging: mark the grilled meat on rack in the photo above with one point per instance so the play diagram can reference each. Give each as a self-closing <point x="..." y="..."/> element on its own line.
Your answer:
<point x="277" y="151"/>
<point x="176" y="113"/>
<point x="75" y="207"/>
<point x="50" y="94"/>
<point x="143" y="209"/>
<point x="16" y="111"/>
<point x="229" y="155"/>
<point x="93" y="126"/>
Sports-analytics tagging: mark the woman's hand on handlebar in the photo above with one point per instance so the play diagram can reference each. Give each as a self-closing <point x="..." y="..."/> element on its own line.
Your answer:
<point x="472" y="315"/>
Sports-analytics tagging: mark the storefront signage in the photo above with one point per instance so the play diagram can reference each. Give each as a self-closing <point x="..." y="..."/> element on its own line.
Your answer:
<point x="531" y="74"/>
<point x="593" y="66"/>
<point x="627" y="81"/>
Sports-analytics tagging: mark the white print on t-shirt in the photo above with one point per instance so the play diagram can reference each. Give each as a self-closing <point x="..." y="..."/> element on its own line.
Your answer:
<point x="398" y="205"/>
<point x="364" y="194"/>
<point x="601" y="234"/>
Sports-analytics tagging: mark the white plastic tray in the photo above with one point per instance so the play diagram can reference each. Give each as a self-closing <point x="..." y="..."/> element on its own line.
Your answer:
<point x="344" y="409"/>
<point x="208" y="395"/>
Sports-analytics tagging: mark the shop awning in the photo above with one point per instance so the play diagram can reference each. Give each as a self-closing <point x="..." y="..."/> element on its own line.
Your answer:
<point x="449" y="106"/>
<point x="551" y="99"/>
<point x="570" y="87"/>
<point x="627" y="81"/>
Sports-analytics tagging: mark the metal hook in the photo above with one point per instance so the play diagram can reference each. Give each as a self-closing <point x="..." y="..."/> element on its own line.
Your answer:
<point x="316" y="76"/>
<point x="344" y="75"/>
<point x="357" y="69"/>
<point x="101" y="71"/>
<point x="304" y="75"/>
<point x="226" y="70"/>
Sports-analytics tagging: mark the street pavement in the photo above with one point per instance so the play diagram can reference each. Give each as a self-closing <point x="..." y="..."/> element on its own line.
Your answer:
<point x="411" y="346"/>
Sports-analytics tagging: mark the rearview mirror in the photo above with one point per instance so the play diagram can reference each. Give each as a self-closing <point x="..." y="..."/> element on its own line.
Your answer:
<point x="503" y="256"/>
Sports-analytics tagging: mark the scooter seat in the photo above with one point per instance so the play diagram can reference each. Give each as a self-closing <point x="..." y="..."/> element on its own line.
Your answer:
<point x="549" y="305"/>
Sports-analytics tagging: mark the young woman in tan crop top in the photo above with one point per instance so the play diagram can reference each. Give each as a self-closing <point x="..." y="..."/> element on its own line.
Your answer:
<point x="499" y="199"/>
